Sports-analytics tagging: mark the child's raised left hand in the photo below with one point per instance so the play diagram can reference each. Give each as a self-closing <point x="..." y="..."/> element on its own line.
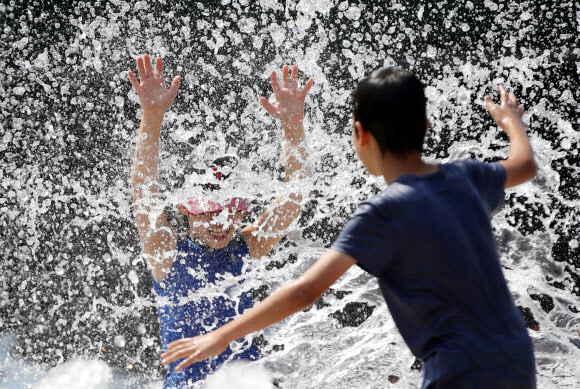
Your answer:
<point x="155" y="98"/>
<point x="289" y="105"/>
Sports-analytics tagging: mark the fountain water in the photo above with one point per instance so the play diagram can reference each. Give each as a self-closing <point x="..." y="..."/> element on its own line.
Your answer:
<point x="73" y="284"/>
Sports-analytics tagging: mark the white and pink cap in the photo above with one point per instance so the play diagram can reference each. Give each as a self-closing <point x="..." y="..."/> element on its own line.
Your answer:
<point x="202" y="205"/>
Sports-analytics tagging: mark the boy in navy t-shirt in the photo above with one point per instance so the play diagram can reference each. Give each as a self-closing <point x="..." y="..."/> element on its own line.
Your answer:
<point x="427" y="237"/>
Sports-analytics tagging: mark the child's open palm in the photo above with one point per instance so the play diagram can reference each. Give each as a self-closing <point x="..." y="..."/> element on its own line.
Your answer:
<point x="154" y="96"/>
<point x="289" y="105"/>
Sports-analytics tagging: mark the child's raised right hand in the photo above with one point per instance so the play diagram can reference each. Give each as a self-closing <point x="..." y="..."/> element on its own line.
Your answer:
<point x="155" y="98"/>
<point x="289" y="105"/>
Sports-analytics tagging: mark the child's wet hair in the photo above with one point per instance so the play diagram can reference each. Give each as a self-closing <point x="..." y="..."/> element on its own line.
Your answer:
<point x="390" y="103"/>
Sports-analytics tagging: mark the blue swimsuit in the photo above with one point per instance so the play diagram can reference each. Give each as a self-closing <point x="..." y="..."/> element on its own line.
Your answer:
<point x="187" y="309"/>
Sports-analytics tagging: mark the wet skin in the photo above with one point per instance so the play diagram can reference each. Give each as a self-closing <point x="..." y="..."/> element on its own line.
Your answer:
<point x="215" y="229"/>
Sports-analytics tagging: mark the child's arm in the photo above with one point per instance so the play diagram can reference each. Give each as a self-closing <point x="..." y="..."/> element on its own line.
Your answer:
<point x="156" y="235"/>
<point x="289" y="108"/>
<point x="296" y="296"/>
<point x="519" y="165"/>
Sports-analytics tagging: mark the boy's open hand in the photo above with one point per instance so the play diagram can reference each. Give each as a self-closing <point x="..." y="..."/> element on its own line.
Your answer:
<point x="508" y="113"/>
<point x="193" y="350"/>
<point x="154" y="96"/>
<point x="289" y="106"/>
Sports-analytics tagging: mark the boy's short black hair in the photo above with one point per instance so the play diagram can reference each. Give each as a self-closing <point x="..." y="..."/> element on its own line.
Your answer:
<point x="390" y="103"/>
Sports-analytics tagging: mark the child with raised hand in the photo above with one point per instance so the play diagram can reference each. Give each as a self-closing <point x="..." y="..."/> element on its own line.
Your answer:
<point x="184" y="269"/>
<point x="428" y="239"/>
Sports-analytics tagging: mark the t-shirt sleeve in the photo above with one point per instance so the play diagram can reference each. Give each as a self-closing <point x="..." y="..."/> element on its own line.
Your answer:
<point x="365" y="238"/>
<point x="489" y="180"/>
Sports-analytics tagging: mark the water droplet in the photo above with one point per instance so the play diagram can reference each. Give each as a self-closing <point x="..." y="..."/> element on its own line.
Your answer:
<point x="107" y="257"/>
<point x="142" y="329"/>
<point x="526" y="16"/>
<point x="59" y="271"/>
<point x="573" y="244"/>
<point x="332" y="35"/>
<point x="19" y="90"/>
<point x="39" y="329"/>
<point x="491" y="5"/>
<point x="119" y="101"/>
<point x="87" y="291"/>
<point x="133" y="277"/>
<point x="353" y="13"/>
<point x="431" y="52"/>
<point x="120" y="341"/>
<point x="566" y="144"/>
<point x="210" y="153"/>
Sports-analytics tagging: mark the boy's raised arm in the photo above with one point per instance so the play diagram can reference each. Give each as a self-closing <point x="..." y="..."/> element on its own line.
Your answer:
<point x="289" y="108"/>
<point x="519" y="165"/>
<point x="295" y="296"/>
<point x="156" y="235"/>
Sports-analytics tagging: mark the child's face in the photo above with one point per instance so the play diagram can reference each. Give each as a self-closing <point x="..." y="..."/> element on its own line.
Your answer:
<point x="215" y="229"/>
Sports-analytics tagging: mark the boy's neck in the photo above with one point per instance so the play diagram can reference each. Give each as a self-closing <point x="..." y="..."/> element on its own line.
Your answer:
<point x="395" y="166"/>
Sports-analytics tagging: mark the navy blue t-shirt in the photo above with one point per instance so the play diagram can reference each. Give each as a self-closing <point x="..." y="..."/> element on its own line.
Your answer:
<point x="429" y="241"/>
<point x="188" y="304"/>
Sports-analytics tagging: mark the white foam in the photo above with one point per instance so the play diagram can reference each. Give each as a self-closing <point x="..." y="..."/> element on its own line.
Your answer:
<point x="240" y="375"/>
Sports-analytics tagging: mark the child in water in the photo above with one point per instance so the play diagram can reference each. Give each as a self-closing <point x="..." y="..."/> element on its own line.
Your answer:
<point x="427" y="237"/>
<point x="184" y="268"/>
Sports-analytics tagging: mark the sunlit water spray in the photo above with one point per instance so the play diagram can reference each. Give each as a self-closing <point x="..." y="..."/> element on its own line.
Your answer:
<point x="75" y="290"/>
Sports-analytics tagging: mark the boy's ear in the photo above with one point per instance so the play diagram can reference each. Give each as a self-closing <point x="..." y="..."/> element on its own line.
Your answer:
<point x="362" y="134"/>
<point x="182" y="210"/>
<point x="427" y="126"/>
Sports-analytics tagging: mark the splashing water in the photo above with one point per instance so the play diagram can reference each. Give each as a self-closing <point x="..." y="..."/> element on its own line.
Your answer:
<point x="74" y="288"/>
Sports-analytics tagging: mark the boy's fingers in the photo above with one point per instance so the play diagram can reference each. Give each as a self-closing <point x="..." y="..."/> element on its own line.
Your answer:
<point x="285" y="77"/>
<point x="275" y="84"/>
<point x="148" y="67"/>
<point x="133" y="79"/>
<point x="159" y="67"/>
<point x="175" y="354"/>
<point x="268" y="106"/>
<point x="513" y="100"/>
<point x="177" y="343"/>
<point x="502" y="95"/>
<point x="187" y="362"/>
<point x="141" y="69"/>
<point x="489" y="104"/>
<point x="294" y="76"/>
<point x="175" y="85"/>
<point x="307" y="87"/>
